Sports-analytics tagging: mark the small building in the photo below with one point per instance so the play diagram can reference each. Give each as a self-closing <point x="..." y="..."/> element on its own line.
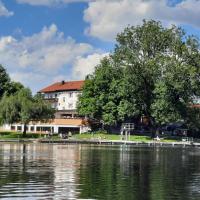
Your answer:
<point x="63" y="97"/>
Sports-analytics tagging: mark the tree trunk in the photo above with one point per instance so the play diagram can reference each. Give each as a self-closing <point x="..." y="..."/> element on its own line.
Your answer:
<point x="24" y="131"/>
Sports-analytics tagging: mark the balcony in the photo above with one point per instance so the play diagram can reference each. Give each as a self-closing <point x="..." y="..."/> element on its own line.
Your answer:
<point x="51" y="100"/>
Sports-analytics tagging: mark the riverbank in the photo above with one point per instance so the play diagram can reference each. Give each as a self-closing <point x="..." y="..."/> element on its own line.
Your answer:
<point x="120" y="142"/>
<point x="106" y="139"/>
<point x="103" y="142"/>
<point x="11" y="135"/>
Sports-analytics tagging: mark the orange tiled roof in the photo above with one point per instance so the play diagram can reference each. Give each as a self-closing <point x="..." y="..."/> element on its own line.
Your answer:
<point x="69" y="122"/>
<point x="63" y="86"/>
<point x="195" y="106"/>
<point x="73" y="122"/>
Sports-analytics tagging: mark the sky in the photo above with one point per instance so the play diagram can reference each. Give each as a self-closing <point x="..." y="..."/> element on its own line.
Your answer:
<point x="45" y="41"/>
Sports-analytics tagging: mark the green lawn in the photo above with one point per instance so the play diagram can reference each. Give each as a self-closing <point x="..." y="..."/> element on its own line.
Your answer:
<point x="117" y="137"/>
<point x="86" y="136"/>
<point x="96" y="136"/>
<point x="19" y="135"/>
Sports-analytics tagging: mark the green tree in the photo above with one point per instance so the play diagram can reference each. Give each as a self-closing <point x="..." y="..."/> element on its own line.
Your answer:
<point x="154" y="71"/>
<point x="22" y="107"/>
<point x="14" y="87"/>
<point x="100" y="96"/>
<point x="6" y="85"/>
<point x="4" y="81"/>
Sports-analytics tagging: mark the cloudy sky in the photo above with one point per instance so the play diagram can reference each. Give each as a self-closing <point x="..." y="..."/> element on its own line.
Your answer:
<point x="44" y="41"/>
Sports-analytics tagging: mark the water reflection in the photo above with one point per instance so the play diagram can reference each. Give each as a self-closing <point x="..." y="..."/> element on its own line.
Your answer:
<point x="46" y="171"/>
<point x="140" y="173"/>
<point x="38" y="171"/>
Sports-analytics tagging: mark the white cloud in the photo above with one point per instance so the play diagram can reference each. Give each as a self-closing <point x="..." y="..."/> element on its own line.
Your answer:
<point x="106" y="18"/>
<point x="30" y="79"/>
<point x="4" y="11"/>
<point x="43" y="56"/>
<point x="86" y="65"/>
<point x="49" y="2"/>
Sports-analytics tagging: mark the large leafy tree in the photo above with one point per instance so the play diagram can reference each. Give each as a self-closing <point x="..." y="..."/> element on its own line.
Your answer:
<point x="154" y="71"/>
<point x="6" y="85"/>
<point x="101" y="97"/>
<point x="22" y="107"/>
<point x="4" y="81"/>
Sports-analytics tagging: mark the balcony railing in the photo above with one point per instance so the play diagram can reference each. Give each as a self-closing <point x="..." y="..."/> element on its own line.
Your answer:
<point x="51" y="99"/>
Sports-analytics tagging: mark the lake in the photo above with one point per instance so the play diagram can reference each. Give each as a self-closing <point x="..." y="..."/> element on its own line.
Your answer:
<point x="50" y="171"/>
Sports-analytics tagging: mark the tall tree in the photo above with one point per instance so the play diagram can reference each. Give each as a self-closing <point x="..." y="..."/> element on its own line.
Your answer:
<point x="158" y="75"/>
<point x="22" y="107"/>
<point x="6" y="85"/>
<point x="4" y="81"/>
<point x="100" y="96"/>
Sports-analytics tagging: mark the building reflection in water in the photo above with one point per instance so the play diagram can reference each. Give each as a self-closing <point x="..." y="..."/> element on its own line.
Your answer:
<point x="66" y="163"/>
<point x="39" y="171"/>
<point x="47" y="171"/>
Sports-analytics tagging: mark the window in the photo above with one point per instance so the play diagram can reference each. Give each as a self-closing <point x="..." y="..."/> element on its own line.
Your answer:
<point x="71" y="94"/>
<point x="19" y="128"/>
<point x="63" y="99"/>
<point x="55" y="105"/>
<point x="70" y="105"/>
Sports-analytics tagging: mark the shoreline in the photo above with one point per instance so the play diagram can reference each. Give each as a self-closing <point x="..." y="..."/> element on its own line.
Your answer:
<point x="103" y="142"/>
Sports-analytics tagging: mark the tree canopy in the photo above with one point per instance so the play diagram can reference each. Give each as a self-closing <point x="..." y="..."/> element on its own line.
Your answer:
<point x="6" y="85"/>
<point x="4" y="81"/>
<point x="22" y="107"/>
<point x="153" y="71"/>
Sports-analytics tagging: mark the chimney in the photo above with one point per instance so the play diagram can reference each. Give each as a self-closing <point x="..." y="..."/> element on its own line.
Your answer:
<point x="63" y="82"/>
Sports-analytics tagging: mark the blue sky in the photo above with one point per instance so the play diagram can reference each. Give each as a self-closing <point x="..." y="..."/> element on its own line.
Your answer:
<point x="43" y="41"/>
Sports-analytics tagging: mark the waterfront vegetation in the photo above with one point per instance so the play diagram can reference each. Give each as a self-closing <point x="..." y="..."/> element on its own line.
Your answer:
<point x="153" y="72"/>
<point x="86" y="136"/>
<point x="102" y="136"/>
<point x="151" y="79"/>
<point x="6" y="135"/>
<point x="23" y="107"/>
<point x="18" y="105"/>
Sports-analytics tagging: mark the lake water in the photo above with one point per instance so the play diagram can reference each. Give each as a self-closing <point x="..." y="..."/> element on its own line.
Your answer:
<point x="46" y="171"/>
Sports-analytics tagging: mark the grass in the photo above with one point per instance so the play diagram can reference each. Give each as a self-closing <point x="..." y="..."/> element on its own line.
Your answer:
<point x="19" y="135"/>
<point x="96" y="136"/>
<point x="86" y="136"/>
<point x="138" y="138"/>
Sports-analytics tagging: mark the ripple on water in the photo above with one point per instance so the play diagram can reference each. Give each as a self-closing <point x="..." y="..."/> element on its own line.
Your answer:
<point x="39" y="171"/>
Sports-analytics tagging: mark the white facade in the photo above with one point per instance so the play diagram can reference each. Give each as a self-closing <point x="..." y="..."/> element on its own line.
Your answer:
<point x="43" y="128"/>
<point x="196" y="100"/>
<point x="66" y="100"/>
<point x="63" y="97"/>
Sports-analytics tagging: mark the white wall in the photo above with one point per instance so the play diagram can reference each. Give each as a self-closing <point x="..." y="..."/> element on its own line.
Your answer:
<point x="67" y="100"/>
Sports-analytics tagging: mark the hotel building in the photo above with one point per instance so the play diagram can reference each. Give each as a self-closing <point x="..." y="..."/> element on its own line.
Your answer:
<point x="63" y="97"/>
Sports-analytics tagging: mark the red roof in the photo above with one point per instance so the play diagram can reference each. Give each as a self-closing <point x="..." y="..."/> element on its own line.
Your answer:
<point x="63" y="86"/>
<point x="195" y="106"/>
